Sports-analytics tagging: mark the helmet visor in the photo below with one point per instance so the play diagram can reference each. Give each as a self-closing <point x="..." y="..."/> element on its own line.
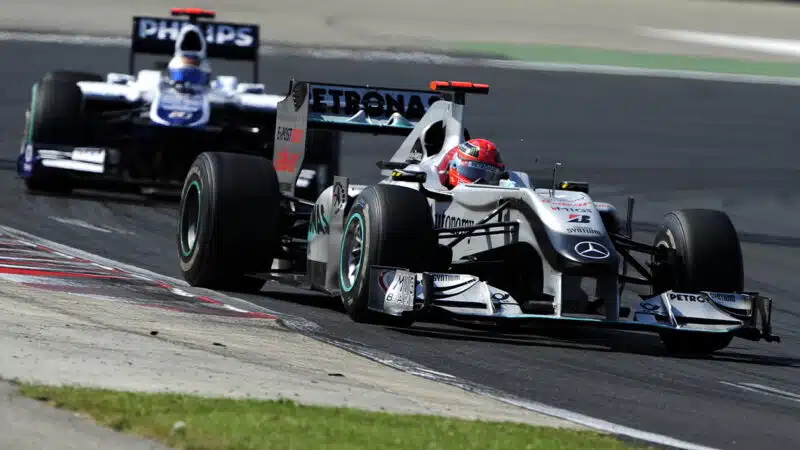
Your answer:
<point x="189" y="75"/>
<point x="480" y="172"/>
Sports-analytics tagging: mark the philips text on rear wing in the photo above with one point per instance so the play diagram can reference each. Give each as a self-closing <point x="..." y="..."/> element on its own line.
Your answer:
<point x="216" y="33"/>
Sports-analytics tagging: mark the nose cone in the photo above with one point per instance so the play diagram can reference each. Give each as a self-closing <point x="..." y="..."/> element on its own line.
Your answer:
<point x="191" y="40"/>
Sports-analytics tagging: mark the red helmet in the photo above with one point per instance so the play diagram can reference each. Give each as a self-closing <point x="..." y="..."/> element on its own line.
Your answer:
<point x="476" y="160"/>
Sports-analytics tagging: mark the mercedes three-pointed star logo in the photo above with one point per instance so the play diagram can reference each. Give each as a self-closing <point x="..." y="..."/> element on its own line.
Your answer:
<point x="592" y="250"/>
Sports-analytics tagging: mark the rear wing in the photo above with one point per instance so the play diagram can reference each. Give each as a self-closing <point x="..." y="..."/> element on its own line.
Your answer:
<point x="359" y="109"/>
<point x="366" y="109"/>
<point x="224" y="40"/>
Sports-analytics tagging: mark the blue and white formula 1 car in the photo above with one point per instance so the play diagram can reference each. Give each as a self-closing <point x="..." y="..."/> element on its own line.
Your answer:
<point x="126" y="132"/>
<point x="408" y="246"/>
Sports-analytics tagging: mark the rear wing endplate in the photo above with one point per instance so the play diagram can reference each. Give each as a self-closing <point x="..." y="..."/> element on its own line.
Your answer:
<point x="224" y="40"/>
<point x="348" y="108"/>
<point x="358" y="109"/>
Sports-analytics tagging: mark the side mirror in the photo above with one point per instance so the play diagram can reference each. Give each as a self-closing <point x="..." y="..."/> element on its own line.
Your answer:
<point x="577" y="186"/>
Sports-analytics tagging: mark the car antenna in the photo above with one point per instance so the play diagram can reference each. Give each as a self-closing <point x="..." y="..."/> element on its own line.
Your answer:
<point x="555" y="171"/>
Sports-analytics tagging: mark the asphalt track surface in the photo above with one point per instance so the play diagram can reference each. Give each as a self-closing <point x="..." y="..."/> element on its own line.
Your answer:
<point x="669" y="143"/>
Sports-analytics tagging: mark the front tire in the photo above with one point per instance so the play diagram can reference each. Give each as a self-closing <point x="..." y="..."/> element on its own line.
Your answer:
<point x="709" y="259"/>
<point x="56" y="117"/>
<point x="228" y="221"/>
<point x="387" y="226"/>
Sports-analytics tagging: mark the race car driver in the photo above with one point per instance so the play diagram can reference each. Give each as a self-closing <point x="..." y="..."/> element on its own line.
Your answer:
<point x="474" y="161"/>
<point x="189" y="71"/>
<point x="189" y="68"/>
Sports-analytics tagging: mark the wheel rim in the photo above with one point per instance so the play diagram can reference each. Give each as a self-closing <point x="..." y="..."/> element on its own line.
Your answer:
<point x="190" y="219"/>
<point x="352" y="252"/>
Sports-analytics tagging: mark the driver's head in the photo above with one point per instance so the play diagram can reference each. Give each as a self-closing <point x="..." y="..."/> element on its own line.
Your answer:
<point x="189" y="69"/>
<point x="476" y="160"/>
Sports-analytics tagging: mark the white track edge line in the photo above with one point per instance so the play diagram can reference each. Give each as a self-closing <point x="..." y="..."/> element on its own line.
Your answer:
<point x="432" y="58"/>
<point x="541" y="408"/>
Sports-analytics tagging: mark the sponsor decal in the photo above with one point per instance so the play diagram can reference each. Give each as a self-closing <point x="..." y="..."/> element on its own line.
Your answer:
<point x="592" y="250"/>
<point x="687" y="297"/>
<point x="91" y="155"/>
<point x="376" y="103"/>
<point x="445" y="277"/>
<point x="735" y="301"/>
<point x="289" y="134"/>
<point x="574" y="204"/>
<point x="319" y="224"/>
<point x="286" y="161"/>
<point x="382" y="279"/>
<point x="415" y="155"/>
<point x="604" y="206"/>
<point x="480" y="165"/>
<point x="578" y="218"/>
<point x="650" y="306"/>
<point x="448" y="281"/>
<point x="305" y="177"/>
<point x="447" y="221"/>
<point x="177" y="102"/>
<point x="583" y="230"/>
<point x="570" y="209"/>
<point x="339" y="197"/>
<point x="215" y="33"/>
<point x="403" y="290"/>
<point x="180" y="115"/>
<point x="728" y="298"/>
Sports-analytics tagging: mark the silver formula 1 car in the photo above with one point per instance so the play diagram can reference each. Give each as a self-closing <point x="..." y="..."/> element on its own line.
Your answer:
<point x="128" y="131"/>
<point x="408" y="247"/>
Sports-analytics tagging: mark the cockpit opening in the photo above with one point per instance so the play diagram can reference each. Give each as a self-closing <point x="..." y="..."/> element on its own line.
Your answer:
<point x="433" y="138"/>
<point x="192" y="42"/>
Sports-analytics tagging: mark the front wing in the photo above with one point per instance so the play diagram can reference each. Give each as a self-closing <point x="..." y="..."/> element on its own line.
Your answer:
<point x="80" y="159"/>
<point x="398" y="292"/>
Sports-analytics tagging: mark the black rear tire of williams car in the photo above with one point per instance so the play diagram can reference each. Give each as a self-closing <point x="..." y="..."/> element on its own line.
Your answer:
<point x="56" y="117"/>
<point x="386" y="226"/>
<point x="228" y="221"/>
<point x="71" y="76"/>
<point x="710" y="259"/>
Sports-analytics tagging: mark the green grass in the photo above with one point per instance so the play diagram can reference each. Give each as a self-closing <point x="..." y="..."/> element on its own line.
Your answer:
<point x="579" y="55"/>
<point x="219" y="423"/>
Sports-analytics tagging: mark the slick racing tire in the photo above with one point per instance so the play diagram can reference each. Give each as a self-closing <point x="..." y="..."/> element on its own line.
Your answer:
<point x="71" y="76"/>
<point x="56" y="117"/>
<point x="228" y="221"/>
<point x="709" y="259"/>
<point x="386" y="226"/>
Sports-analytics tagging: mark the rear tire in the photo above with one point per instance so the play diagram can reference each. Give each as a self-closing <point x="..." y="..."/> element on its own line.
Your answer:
<point x="228" y="221"/>
<point x="71" y="76"/>
<point x="709" y="259"/>
<point x="395" y="228"/>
